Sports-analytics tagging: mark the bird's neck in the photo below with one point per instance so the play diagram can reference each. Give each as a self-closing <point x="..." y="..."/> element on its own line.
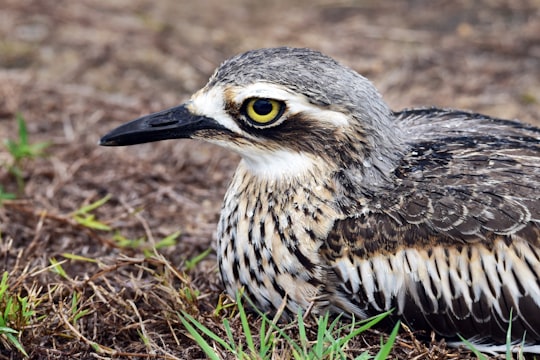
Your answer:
<point x="307" y="198"/>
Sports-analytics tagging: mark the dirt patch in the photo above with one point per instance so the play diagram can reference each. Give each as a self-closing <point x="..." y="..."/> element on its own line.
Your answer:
<point x="75" y="70"/>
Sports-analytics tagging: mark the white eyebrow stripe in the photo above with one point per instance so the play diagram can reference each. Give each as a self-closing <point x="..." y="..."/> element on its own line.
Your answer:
<point x="295" y="103"/>
<point x="336" y="118"/>
<point x="263" y="90"/>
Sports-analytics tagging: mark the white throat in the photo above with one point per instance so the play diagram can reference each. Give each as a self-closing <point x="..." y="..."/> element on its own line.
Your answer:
<point x="277" y="164"/>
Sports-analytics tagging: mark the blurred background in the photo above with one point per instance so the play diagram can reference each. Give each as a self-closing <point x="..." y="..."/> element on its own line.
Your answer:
<point x="481" y="55"/>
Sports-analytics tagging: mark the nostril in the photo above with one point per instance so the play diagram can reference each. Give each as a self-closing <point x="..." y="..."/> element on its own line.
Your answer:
<point x="163" y="118"/>
<point x="161" y="123"/>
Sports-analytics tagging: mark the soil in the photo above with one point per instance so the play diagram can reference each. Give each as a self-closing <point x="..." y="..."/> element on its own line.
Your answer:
<point x="76" y="69"/>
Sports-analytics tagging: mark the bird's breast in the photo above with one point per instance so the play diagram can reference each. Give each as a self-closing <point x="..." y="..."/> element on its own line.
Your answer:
<point x="269" y="237"/>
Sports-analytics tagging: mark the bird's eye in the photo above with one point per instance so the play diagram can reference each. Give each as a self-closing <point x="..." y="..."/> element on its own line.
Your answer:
<point x="263" y="111"/>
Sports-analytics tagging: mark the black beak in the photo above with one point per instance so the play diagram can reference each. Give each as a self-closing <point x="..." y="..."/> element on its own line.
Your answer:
<point x="173" y="123"/>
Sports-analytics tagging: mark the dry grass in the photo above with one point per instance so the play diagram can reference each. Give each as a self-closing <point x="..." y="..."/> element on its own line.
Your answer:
<point x="77" y="69"/>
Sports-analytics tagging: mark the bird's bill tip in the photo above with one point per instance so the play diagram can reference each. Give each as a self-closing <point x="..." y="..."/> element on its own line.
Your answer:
<point x="173" y="123"/>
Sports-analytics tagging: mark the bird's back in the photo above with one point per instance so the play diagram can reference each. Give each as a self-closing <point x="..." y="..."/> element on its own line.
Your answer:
<point x="454" y="244"/>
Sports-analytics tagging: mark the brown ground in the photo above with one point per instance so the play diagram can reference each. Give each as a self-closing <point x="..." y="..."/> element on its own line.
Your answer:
<point x="76" y="69"/>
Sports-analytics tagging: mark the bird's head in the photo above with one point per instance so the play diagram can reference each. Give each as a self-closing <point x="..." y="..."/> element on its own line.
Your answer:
<point x="282" y="110"/>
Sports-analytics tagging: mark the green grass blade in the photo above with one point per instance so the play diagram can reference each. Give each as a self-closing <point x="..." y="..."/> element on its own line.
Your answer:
<point x="471" y="347"/>
<point x="3" y="284"/>
<point x="322" y="325"/>
<point x="169" y="240"/>
<point x="78" y="258"/>
<point x="245" y="326"/>
<point x="96" y="204"/>
<point x="89" y="221"/>
<point x="23" y="131"/>
<point x="302" y="331"/>
<point x="295" y="347"/>
<point x="264" y="345"/>
<point x="191" y="263"/>
<point x="8" y="311"/>
<point x="297" y="350"/>
<point x="197" y="336"/>
<point x="206" y="331"/>
<point x="364" y="356"/>
<point x="56" y="267"/>
<point x="5" y="195"/>
<point x="509" y="338"/>
<point x="339" y="343"/>
<point x="37" y="149"/>
<point x="230" y="335"/>
<point x="7" y="330"/>
<point x="374" y="320"/>
<point x="387" y="347"/>
<point x="25" y="308"/>
<point x="12" y="339"/>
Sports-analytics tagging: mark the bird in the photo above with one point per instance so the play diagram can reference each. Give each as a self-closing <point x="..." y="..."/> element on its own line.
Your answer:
<point x="340" y="204"/>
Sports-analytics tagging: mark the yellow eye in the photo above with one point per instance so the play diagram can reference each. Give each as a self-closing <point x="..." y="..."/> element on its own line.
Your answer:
<point x="263" y="111"/>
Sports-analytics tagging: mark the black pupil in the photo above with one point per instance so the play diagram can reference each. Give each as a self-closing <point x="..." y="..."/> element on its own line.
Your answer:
<point x="262" y="106"/>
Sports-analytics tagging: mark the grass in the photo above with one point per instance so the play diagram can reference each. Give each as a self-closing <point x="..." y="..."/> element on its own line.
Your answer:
<point x="509" y="345"/>
<point x="272" y="339"/>
<point x="86" y="217"/>
<point x="17" y="313"/>
<point x="5" y="195"/>
<point x="22" y="150"/>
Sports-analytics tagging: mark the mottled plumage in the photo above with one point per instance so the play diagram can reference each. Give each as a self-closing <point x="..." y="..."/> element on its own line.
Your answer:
<point x="341" y="204"/>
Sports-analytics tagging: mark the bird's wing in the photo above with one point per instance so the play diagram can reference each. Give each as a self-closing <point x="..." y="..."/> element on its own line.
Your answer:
<point x="455" y="245"/>
<point x="470" y="178"/>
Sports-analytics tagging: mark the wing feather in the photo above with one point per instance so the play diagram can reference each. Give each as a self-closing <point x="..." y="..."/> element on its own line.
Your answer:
<point x="456" y="237"/>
